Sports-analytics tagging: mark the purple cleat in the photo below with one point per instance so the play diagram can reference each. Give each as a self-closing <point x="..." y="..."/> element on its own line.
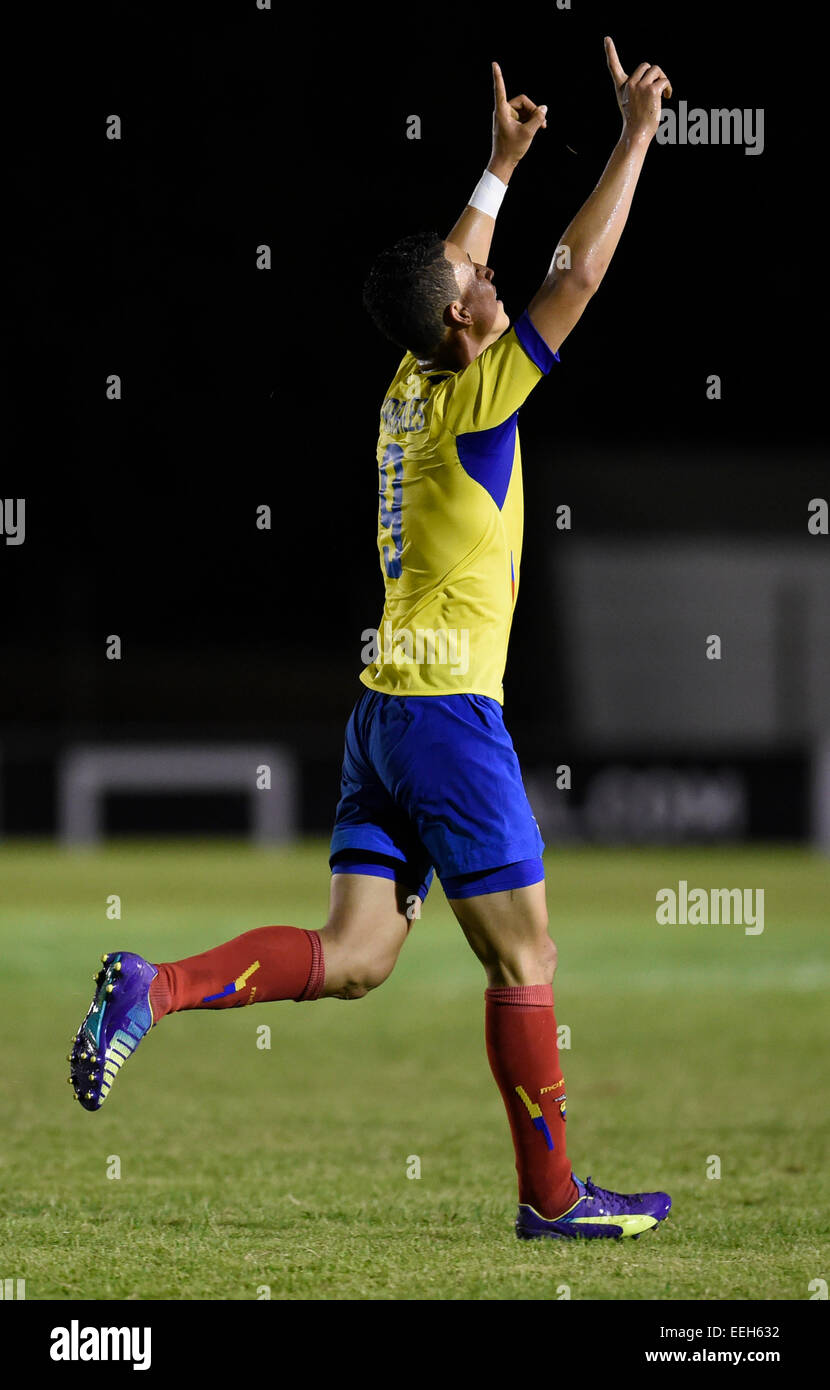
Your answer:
<point x="118" y="1018"/>
<point x="597" y="1212"/>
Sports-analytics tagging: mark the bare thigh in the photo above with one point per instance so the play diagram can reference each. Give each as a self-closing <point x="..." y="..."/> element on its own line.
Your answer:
<point x="509" y="933"/>
<point x="365" y="930"/>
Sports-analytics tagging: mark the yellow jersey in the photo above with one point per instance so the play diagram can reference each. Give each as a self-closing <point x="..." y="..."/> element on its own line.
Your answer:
<point x="450" y="520"/>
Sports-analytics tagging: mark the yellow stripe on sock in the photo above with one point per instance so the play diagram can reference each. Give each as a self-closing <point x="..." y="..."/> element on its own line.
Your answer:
<point x="240" y="983"/>
<point x="534" y="1110"/>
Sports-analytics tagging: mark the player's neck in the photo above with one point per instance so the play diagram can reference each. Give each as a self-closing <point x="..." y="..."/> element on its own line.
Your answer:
<point x="456" y="351"/>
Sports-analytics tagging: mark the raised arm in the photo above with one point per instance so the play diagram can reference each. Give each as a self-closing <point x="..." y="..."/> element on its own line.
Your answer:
<point x="515" y="123"/>
<point x="588" y="243"/>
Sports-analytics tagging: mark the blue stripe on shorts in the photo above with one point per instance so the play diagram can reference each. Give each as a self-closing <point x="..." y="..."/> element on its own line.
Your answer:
<point x="362" y="861"/>
<point x="519" y="875"/>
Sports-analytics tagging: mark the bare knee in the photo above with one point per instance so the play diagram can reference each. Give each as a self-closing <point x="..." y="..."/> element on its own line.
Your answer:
<point x="533" y="963"/>
<point x="358" y="978"/>
<point x="352" y="971"/>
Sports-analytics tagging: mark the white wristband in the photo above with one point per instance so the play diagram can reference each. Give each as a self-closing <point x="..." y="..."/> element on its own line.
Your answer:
<point x="488" y="194"/>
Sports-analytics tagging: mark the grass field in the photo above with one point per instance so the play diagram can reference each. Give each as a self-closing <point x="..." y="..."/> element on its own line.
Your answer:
<point x="244" y="1167"/>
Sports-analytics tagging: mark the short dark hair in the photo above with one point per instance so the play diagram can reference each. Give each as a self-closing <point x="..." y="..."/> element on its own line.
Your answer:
<point x="407" y="290"/>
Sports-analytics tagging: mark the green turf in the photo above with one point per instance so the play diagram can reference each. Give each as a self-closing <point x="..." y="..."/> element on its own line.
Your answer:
<point x="243" y="1167"/>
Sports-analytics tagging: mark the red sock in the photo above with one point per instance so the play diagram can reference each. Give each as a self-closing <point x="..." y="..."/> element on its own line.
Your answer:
<point x="520" y="1029"/>
<point x="259" y="966"/>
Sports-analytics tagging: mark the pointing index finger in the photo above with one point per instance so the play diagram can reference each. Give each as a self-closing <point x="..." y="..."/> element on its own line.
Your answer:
<point x="614" y="66"/>
<point x="498" y="86"/>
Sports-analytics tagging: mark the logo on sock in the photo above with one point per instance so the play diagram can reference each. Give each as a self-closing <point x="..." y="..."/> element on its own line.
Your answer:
<point x="235" y="985"/>
<point x="535" y="1113"/>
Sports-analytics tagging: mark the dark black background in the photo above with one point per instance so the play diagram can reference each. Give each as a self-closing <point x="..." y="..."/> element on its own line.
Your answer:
<point x="243" y="387"/>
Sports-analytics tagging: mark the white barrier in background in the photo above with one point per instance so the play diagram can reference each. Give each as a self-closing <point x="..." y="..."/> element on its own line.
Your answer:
<point x="88" y="772"/>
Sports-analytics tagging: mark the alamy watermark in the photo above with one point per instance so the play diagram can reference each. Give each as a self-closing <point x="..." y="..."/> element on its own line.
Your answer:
<point x="420" y="646"/>
<point x="80" y="1343"/>
<point x="13" y="519"/>
<point x="711" y="906"/>
<point x="740" y="126"/>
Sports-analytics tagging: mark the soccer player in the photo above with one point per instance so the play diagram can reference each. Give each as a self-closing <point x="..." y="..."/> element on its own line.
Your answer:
<point x="431" y="782"/>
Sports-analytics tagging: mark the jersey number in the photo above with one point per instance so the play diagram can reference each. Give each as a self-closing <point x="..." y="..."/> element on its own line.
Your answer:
<point x="390" y="517"/>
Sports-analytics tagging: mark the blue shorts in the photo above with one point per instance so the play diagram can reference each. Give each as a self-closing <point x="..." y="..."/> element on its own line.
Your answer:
<point x="431" y="783"/>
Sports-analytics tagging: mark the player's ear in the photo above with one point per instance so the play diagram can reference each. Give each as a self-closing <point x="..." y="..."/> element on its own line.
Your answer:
<point x="456" y="315"/>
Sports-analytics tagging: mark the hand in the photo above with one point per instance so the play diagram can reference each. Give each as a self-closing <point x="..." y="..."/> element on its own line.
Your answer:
<point x="638" y="96"/>
<point x="515" y="123"/>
